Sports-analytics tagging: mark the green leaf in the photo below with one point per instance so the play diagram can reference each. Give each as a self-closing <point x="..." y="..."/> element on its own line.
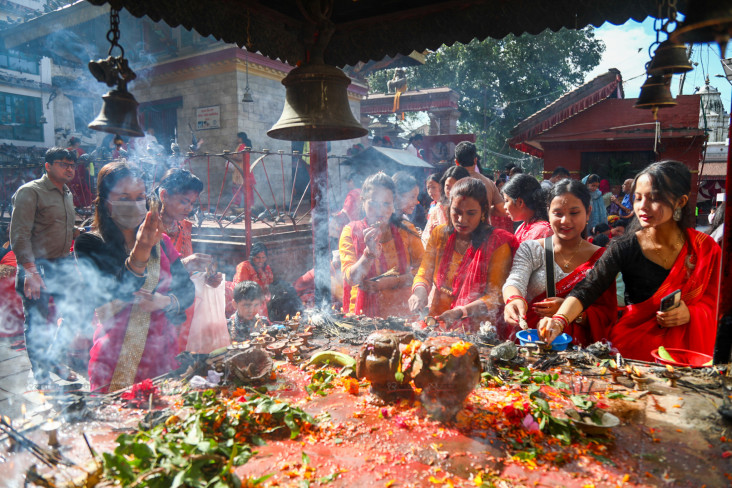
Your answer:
<point x="331" y="477"/>
<point x="257" y="481"/>
<point x="292" y="425"/>
<point x="305" y="458"/>
<point x="399" y="377"/>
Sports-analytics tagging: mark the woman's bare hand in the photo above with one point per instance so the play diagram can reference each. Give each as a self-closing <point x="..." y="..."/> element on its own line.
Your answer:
<point x="151" y="302"/>
<point x="549" y="329"/>
<point x="418" y="300"/>
<point x="548" y="306"/>
<point x="674" y="317"/>
<point x="148" y="235"/>
<point x="515" y="310"/>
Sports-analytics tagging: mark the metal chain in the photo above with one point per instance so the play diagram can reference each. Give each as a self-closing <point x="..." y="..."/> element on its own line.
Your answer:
<point x="113" y="34"/>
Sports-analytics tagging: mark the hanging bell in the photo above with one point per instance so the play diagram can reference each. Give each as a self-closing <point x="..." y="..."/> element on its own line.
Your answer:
<point x="655" y="93"/>
<point x="706" y="21"/>
<point x="669" y="58"/>
<point x="118" y="114"/>
<point x="316" y="106"/>
<point x="247" y="98"/>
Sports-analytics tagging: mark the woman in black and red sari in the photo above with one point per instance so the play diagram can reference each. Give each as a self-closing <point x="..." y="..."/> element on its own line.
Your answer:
<point x="466" y="260"/>
<point x="660" y="253"/>
<point x="525" y="290"/>
<point x="379" y="254"/>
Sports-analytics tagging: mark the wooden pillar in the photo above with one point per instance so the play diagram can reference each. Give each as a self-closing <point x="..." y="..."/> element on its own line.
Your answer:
<point x="320" y="214"/>
<point x="723" y="345"/>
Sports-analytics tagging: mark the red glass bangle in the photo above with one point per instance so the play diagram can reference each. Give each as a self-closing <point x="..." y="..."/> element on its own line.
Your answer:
<point x="516" y="297"/>
<point x="563" y="319"/>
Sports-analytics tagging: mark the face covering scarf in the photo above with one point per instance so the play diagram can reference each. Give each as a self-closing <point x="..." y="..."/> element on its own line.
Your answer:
<point x="128" y="215"/>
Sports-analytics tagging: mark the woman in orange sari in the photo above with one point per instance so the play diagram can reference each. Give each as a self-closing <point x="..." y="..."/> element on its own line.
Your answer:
<point x="467" y="261"/>
<point x="525" y="290"/>
<point x="659" y="254"/>
<point x="375" y="246"/>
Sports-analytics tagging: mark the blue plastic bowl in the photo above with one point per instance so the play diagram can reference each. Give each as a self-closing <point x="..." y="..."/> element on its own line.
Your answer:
<point x="532" y="335"/>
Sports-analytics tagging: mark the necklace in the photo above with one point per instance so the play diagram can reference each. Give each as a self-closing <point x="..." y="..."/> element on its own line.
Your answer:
<point x="657" y="247"/>
<point x="569" y="261"/>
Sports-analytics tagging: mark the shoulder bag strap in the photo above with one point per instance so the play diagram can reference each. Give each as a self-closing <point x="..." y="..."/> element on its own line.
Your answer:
<point x="549" y="266"/>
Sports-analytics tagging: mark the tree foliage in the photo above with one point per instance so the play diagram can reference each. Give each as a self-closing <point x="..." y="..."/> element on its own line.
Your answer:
<point x="503" y="81"/>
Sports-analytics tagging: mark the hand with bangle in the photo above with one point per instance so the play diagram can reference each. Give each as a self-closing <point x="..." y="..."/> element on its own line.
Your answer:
<point x="515" y="309"/>
<point x="551" y="328"/>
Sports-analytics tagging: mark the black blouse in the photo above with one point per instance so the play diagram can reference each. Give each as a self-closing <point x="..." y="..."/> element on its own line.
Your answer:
<point x="107" y="278"/>
<point x="642" y="277"/>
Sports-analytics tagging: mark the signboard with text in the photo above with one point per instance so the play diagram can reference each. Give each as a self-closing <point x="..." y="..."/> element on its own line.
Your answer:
<point x="208" y="118"/>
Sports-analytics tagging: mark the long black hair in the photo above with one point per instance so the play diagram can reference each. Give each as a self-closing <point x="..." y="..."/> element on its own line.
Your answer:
<point x="109" y="176"/>
<point x="475" y="189"/>
<point x="576" y="188"/>
<point x="530" y="191"/>
<point x="670" y="180"/>
<point x="457" y="172"/>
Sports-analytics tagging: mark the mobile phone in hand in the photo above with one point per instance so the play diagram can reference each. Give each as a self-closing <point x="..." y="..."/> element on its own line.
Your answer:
<point x="670" y="301"/>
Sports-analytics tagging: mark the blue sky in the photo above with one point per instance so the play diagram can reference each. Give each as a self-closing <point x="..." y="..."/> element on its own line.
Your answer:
<point x="623" y="43"/>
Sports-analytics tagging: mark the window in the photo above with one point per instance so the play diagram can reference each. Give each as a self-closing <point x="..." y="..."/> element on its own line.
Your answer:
<point x="19" y="118"/>
<point x="18" y="62"/>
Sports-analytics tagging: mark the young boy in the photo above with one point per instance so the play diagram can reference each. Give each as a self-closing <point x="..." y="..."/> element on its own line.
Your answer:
<point x="249" y="298"/>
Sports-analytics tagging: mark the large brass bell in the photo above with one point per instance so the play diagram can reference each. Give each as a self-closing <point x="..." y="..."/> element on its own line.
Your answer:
<point x="655" y="93"/>
<point x="118" y="114"/>
<point x="706" y="21"/>
<point x="669" y="58"/>
<point x="316" y="106"/>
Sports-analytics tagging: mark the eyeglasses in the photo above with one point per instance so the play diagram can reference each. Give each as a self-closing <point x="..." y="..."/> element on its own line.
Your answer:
<point x="66" y="165"/>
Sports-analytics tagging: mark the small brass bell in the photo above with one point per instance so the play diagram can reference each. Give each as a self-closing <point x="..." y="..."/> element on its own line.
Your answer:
<point x="118" y="114"/>
<point x="706" y="21"/>
<point x="655" y="94"/>
<point x="669" y="58"/>
<point x="316" y="106"/>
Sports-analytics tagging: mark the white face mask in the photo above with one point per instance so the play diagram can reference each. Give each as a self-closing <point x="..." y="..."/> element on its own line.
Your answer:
<point x="128" y="215"/>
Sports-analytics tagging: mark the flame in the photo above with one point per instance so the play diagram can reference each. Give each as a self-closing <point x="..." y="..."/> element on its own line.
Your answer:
<point x="23" y="410"/>
<point x="288" y="317"/>
<point x="42" y="397"/>
<point x="670" y="368"/>
<point x="637" y="372"/>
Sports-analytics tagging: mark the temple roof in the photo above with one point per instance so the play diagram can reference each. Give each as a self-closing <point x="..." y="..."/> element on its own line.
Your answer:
<point x="372" y="29"/>
<point x="607" y="85"/>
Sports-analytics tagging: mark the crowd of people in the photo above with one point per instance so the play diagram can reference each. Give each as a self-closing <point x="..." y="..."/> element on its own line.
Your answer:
<point x="528" y="255"/>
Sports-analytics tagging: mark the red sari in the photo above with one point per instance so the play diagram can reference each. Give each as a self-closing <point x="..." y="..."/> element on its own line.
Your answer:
<point x="158" y="356"/>
<point x="696" y="273"/>
<point x="538" y="229"/>
<point x="471" y="278"/>
<point x="599" y="317"/>
<point x="368" y="303"/>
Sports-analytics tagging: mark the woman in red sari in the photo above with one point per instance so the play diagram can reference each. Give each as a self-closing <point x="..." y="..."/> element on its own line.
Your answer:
<point x="466" y="261"/>
<point x="659" y="254"/>
<point x="525" y="290"/>
<point x="178" y="192"/>
<point x="378" y="245"/>
<point x="256" y="269"/>
<point x="136" y="284"/>
<point x="525" y="203"/>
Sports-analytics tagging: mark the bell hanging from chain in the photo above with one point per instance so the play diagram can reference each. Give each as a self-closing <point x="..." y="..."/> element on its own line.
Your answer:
<point x="118" y="114"/>
<point x="706" y="21"/>
<point x="316" y="106"/>
<point x="655" y="93"/>
<point x="669" y="58"/>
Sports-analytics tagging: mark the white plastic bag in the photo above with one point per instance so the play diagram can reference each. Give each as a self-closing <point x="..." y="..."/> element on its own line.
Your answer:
<point x="208" y="330"/>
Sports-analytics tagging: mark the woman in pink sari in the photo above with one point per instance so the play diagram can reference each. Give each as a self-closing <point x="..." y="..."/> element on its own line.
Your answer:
<point x="136" y="284"/>
<point x="660" y="253"/>
<point x="525" y="290"/>
<point x="525" y="203"/>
